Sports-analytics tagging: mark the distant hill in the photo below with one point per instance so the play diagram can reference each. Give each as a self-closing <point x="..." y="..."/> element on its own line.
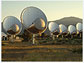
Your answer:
<point x="66" y="21"/>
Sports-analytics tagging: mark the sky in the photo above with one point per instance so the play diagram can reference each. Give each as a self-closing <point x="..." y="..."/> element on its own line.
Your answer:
<point x="53" y="10"/>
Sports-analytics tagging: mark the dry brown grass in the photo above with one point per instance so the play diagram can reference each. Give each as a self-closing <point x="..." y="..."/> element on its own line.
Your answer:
<point x="41" y="53"/>
<point x="45" y="50"/>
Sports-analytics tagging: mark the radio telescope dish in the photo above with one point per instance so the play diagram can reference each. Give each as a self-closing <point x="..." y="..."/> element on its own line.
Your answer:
<point x="12" y="25"/>
<point x="54" y="29"/>
<point x="3" y="34"/>
<point x="34" y="20"/>
<point x="79" y="28"/>
<point x="63" y="29"/>
<point x="71" y="29"/>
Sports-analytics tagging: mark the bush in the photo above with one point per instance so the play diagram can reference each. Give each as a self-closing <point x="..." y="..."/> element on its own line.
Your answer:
<point x="77" y="50"/>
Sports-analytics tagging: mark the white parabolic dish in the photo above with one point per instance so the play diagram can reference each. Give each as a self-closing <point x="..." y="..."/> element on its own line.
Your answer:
<point x="71" y="29"/>
<point x="3" y="34"/>
<point x="62" y="28"/>
<point x="53" y="27"/>
<point x="12" y="25"/>
<point x="79" y="27"/>
<point x="34" y="20"/>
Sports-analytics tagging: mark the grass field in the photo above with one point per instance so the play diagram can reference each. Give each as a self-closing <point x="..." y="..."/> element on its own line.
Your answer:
<point x="45" y="50"/>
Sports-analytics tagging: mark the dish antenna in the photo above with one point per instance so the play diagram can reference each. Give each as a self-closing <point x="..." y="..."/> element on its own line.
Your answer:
<point x="63" y="29"/>
<point x="72" y="30"/>
<point x="79" y="28"/>
<point x="3" y="36"/>
<point x="12" y="26"/>
<point x="54" y="29"/>
<point x="34" y="20"/>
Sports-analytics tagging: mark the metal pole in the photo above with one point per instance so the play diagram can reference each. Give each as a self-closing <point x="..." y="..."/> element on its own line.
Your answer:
<point x="33" y="38"/>
<point x="62" y="36"/>
<point x="53" y="37"/>
<point x="57" y="36"/>
<point x="80" y="35"/>
<point x="12" y="38"/>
